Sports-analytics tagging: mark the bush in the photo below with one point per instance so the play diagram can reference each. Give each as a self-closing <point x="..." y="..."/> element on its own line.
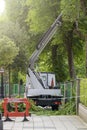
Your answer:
<point x="1" y="107"/>
<point x="67" y="109"/>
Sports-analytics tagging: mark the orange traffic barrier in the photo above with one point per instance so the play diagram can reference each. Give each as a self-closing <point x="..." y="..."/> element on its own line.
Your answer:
<point x="16" y="102"/>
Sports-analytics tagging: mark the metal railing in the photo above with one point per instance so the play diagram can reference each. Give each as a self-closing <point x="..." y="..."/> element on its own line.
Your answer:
<point x="13" y="90"/>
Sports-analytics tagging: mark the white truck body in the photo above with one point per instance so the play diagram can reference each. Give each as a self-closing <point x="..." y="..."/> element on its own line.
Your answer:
<point x="48" y="79"/>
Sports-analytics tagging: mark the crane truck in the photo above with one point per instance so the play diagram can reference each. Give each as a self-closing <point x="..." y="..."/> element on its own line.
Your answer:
<point x="40" y="87"/>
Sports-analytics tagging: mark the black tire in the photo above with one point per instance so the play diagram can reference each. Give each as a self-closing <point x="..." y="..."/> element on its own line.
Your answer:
<point x="55" y="107"/>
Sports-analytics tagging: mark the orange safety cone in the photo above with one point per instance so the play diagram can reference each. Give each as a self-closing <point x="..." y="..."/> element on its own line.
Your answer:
<point x="52" y="83"/>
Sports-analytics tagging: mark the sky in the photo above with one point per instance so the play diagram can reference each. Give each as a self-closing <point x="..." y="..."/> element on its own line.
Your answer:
<point x="2" y="6"/>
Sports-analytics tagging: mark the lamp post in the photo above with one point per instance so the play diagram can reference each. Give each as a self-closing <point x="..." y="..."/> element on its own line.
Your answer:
<point x="2" y="87"/>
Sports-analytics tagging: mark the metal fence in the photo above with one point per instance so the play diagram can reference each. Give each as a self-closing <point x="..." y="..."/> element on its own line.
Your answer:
<point x="75" y="91"/>
<point x="68" y="90"/>
<point x="13" y="90"/>
<point x="75" y="88"/>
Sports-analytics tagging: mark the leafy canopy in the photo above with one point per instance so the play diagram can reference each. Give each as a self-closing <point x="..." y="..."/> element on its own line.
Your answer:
<point x="8" y="51"/>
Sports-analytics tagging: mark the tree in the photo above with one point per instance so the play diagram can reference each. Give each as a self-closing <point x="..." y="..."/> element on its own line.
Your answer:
<point x="8" y="51"/>
<point x="70" y="10"/>
<point x="84" y="9"/>
<point x="28" y="20"/>
<point x="37" y="24"/>
<point x="41" y="14"/>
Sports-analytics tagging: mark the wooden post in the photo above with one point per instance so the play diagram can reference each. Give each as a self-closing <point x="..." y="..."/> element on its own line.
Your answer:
<point x="77" y="95"/>
<point x="2" y="87"/>
<point x="9" y="83"/>
<point x="65" y="93"/>
<point x="86" y="53"/>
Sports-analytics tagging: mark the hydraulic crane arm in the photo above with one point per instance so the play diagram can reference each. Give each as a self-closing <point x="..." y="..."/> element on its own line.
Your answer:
<point x="44" y="41"/>
<point x="33" y="77"/>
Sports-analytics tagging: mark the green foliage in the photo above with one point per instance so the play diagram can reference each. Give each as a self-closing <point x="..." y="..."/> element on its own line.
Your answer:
<point x="45" y="65"/>
<point x="1" y="106"/>
<point x="16" y="29"/>
<point x="14" y="76"/>
<point x="83" y="25"/>
<point x="70" y="9"/>
<point x="26" y="21"/>
<point x="83" y="91"/>
<point x="40" y="16"/>
<point x="22" y="76"/>
<point x="16" y="10"/>
<point x="66" y="109"/>
<point x="8" y="51"/>
<point x="34" y="108"/>
<point x="21" y="107"/>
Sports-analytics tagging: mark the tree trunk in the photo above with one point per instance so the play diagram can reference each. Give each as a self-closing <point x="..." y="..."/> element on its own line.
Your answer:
<point x="86" y="53"/>
<point x="68" y="42"/>
<point x="9" y="81"/>
<point x="54" y="55"/>
<point x="84" y="8"/>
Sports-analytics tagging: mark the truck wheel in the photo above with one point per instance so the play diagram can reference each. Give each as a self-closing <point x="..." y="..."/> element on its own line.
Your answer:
<point x="55" y="107"/>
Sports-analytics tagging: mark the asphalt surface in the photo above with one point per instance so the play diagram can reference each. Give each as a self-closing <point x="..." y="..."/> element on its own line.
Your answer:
<point x="45" y="123"/>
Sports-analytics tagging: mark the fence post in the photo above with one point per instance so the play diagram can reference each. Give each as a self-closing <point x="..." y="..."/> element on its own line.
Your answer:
<point x="1" y="122"/>
<point x="77" y="95"/>
<point x="64" y="92"/>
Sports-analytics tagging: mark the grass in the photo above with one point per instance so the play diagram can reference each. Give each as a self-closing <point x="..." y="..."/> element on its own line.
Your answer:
<point x="83" y="91"/>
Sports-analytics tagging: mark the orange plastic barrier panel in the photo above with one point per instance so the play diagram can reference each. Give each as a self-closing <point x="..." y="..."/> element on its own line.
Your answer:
<point x="16" y="102"/>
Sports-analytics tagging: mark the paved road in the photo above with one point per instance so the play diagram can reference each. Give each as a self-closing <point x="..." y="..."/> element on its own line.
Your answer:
<point x="46" y="123"/>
